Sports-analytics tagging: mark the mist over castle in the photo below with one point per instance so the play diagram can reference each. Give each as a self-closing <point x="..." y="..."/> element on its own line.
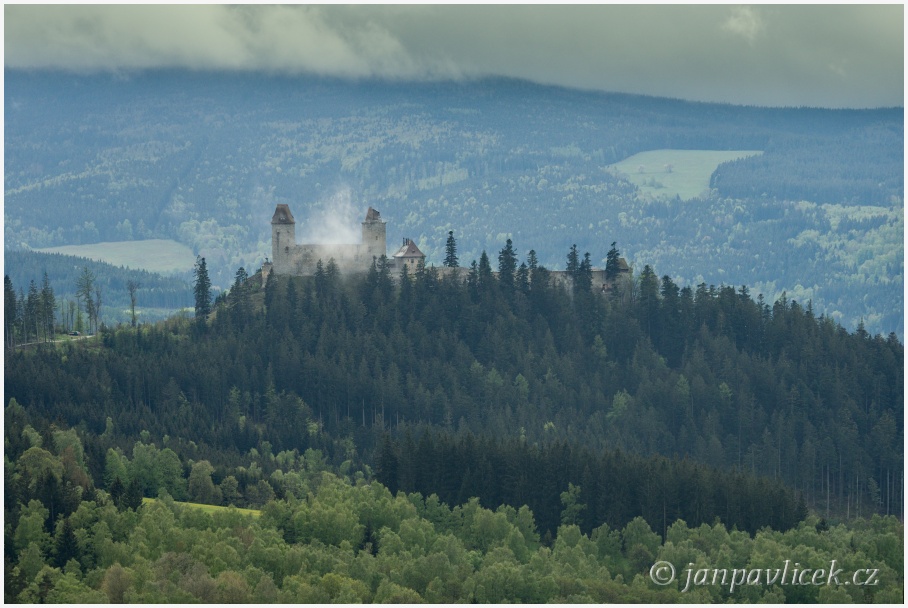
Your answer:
<point x="290" y="258"/>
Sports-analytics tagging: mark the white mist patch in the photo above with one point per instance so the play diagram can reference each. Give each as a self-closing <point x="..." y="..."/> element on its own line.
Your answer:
<point x="336" y="221"/>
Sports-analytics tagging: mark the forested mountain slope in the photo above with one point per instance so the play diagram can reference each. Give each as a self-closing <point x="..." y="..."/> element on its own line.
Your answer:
<point x="376" y="422"/>
<point x="203" y="158"/>
<point x="708" y="374"/>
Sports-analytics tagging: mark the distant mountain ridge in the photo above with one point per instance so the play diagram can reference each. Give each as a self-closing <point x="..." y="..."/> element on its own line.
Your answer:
<point x="203" y="158"/>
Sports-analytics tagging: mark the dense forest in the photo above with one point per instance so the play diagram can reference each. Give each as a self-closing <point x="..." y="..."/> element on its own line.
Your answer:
<point x="202" y="158"/>
<point x="708" y="374"/>
<point x="341" y="538"/>
<point x="377" y="417"/>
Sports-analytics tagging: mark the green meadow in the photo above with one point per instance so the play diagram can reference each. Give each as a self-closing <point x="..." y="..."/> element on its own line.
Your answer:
<point x="666" y="173"/>
<point x="153" y="255"/>
<point x="212" y="509"/>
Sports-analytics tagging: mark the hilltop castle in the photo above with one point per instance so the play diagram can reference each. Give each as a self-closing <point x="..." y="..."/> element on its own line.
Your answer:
<point x="290" y="258"/>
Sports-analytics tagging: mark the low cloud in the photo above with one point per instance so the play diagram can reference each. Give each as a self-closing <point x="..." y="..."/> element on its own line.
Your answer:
<point x="691" y="52"/>
<point x="334" y="221"/>
<point x="744" y="21"/>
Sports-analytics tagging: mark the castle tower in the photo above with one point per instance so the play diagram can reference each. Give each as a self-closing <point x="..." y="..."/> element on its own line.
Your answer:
<point x="283" y="238"/>
<point x="374" y="244"/>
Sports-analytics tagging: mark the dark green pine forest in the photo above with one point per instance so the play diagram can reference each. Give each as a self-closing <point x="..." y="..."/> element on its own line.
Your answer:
<point x="614" y="417"/>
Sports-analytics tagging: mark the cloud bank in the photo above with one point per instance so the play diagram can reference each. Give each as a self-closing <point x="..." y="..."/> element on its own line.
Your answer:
<point x="831" y="56"/>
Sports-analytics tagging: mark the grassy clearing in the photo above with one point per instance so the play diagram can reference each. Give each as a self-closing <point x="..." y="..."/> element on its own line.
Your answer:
<point x="209" y="508"/>
<point x="153" y="255"/>
<point x="689" y="172"/>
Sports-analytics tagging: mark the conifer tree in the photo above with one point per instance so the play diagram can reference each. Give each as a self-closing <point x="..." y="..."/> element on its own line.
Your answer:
<point x="522" y="278"/>
<point x="507" y="266"/>
<point x="612" y="267"/>
<point x="48" y="307"/>
<point x="238" y="299"/>
<point x="583" y="281"/>
<point x="473" y="278"/>
<point x="66" y="546"/>
<point x="451" y="251"/>
<point x="202" y="290"/>
<point x="132" y="286"/>
<point x="85" y="289"/>
<point x="573" y="261"/>
<point x="10" y="312"/>
<point x="485" y="271"/>
<point x="532" y="261"/>
<point x="32" y="311"/>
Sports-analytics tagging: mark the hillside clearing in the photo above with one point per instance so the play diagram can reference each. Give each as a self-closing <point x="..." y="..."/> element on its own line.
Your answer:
<point x="153" y="255"/>
<point x="210" y="508"/>
<point x="667" y="173"/>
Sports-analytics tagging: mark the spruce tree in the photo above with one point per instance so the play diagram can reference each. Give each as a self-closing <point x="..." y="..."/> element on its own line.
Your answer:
<point x="507" y="266"/>
<point x="202" y="290"/>
<point x="522" y="278"/>
<point x="573" y="262"/>
<point x="66" y="546"/>
<point x="132" y="286"/>
<point x="48" y="307"/>
<point x="485" y="271"/>
<point x="10" y="312"/>
<point x="85" y="288"/>
<point x="451" y="251"/>
<point x="611" y="263"/>
<point x="583" y="280"/>
<point x="239" y="298"/>
<point x="32" y="311"/>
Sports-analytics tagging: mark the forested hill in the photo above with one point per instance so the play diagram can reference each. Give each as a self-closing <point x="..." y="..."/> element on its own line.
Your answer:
<point x="378" y="423"/>
<point x="707" y="374"/>
<point x="157" y="296"/>
<point x="813" y="205"/>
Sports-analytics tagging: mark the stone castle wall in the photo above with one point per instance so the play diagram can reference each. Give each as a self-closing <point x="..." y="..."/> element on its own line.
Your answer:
<point x="301" y="260"/>
<point x="291" y="258"/>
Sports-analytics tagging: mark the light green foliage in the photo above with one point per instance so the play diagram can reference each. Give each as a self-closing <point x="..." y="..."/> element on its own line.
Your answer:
<point x="201" y="487"/>
<point x="481" y="529"/>
<point x="31" y="560"/>
<point x="116" y="582"/>
<point x="30" y="528"/>
<point x="169" y="471"/>
<point x="115" y="466"/>
<point x="37" y="591"/>
<point x="37" y="462"/>
<point x="573" y="508"/>
<point x="144" y="467"/>
<point x="641" y="544"/>
<point x="68" y="439"/>
<point x="392" y="593"/>
<point x="329" y="517"/>
<point x="33" y="436"/>
<point x="315" y="549"/>
<point x="68" y="589"/>
<point x="622" y="402"/>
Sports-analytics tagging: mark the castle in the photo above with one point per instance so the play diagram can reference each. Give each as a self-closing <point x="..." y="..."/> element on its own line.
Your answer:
<point x="290" y="258"/>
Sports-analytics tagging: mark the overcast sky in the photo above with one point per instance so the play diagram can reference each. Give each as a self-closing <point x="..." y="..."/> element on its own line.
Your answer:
<point x="817" y="55"/>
